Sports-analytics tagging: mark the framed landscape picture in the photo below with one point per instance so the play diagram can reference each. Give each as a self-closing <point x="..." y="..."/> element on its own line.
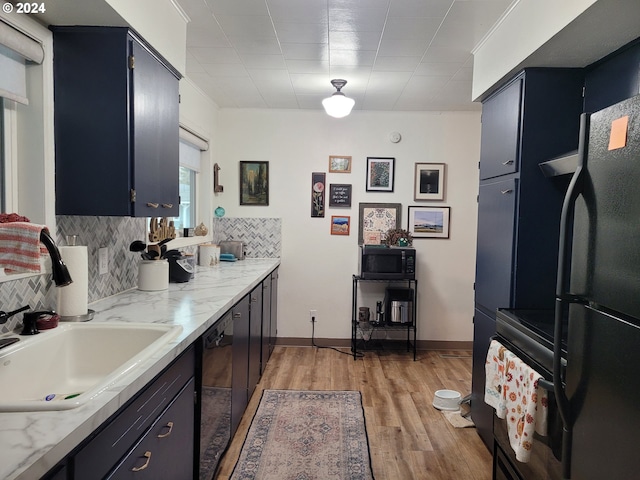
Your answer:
<point x="429" y="222"/>
<point x="429" y="181"/>
<point x="339" y="164"/>
<point x="254" y="183"/>
<point x="380" y="172"/>
<point x="340" y="225"/>
<point x="376" y="219"/>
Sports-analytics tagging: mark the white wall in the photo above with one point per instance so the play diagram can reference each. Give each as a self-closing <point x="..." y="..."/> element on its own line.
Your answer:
<point x="161" y="23"/>
<point x="316" y="266"/>
<point x="198" y="113"/>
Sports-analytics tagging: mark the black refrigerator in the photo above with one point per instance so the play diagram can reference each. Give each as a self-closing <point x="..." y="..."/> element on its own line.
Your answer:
<point x="598" y="290"/>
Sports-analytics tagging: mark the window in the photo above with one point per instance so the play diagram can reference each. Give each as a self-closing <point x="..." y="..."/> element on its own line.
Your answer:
<point x="189" y="169"/>
<point x="187" y="218"/>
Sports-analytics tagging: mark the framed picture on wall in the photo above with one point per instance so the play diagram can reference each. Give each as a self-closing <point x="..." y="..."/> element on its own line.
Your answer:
<point x="318" y="181"/>
<point x="254" y="183"/>
<point x="429" y="181"/>
<point x="377" y="218"/>
<point x="339" y="164"/>
<point x="429" y="222"/>
<point x="380" y="172"/>
<point x="339" y="195"/>
<point x="340" y="225"/>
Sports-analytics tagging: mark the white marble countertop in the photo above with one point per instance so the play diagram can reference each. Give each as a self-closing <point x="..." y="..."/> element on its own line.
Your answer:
<point x="31" y="443"/>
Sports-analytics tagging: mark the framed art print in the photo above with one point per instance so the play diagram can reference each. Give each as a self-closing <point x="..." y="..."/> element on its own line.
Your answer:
<point x="254" y="183"/>
<point x="429" y="222"/>
<point x="340" y="225"/>
<point x="377" y="218"/>
<point x="339" y="164"/>
<point x="318" y="180"/>
<point x="339" y="195"/>
<point x="380" y="172"/>
<point x="429" y="181"/>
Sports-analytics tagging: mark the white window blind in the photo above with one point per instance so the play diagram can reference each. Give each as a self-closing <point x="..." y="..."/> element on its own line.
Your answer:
<point x="16" y="49"/>
<point x="190" y="147"/>
<point x="189" y="156"/>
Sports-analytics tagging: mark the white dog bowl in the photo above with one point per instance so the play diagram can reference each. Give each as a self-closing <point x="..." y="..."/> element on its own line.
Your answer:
<point x="447" y="400"/>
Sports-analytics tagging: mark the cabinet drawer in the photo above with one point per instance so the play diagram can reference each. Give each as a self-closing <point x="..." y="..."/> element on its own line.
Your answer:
<point x="166" y="451"/>
<point x="103" y="452"/>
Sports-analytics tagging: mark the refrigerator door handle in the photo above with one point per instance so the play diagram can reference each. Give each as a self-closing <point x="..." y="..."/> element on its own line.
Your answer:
<point x="562" y="297"/>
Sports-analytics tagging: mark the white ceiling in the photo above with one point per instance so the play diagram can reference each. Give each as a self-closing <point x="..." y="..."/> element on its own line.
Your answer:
<point x="395" y="54"/>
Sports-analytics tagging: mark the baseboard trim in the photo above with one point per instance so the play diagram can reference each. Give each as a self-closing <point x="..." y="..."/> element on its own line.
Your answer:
<point x="346" y="343"/>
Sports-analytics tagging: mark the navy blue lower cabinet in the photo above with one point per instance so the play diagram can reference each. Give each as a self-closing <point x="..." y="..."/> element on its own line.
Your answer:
<point x="484" y="327"/>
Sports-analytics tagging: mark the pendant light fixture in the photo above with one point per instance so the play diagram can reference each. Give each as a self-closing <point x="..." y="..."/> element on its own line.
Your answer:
<point x="338" y="105"/>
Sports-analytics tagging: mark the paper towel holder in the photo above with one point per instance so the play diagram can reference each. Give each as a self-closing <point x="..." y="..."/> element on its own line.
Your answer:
<point x="78" y="318"/>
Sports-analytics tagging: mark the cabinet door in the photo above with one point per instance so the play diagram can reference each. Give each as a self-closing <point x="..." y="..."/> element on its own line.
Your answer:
<point x="266" y="323"/>
<point x="166" y="450"/>
<point x="255" y="339"/>
<point x="154" y="100"/>
<point x="494" y="259"/>
<point x="239" y="381"/>
<point x="273" y="319"/>
<point x="500" y="140"/>
<point x="483" y="328"/>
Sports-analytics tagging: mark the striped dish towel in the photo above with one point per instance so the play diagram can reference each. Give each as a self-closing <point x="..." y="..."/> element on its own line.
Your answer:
<point x="20" y="247"/>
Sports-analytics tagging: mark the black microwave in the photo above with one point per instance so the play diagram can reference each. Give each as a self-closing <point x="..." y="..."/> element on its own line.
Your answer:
<point x="387" y="263"/>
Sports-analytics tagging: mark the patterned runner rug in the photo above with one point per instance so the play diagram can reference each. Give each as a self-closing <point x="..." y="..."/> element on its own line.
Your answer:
<point x="306" y="435"/>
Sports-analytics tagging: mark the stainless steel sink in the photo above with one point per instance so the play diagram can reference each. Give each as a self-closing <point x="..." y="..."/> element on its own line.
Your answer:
<point x="67" y="366"/>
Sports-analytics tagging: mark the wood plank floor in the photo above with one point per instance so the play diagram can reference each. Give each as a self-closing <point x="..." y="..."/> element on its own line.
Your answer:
<point x="409" y="439"/>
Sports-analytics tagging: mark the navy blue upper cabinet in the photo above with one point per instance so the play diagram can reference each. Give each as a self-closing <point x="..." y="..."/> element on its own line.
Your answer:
<point x="530" y="119"/>
<point x="499" y="151"/>
<point x="116" y="125"/>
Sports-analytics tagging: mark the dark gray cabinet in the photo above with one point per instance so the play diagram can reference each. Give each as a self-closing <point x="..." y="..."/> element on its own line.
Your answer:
<point x="501" y="117"/>
<point x="269" y="317"/>
<point x="496" y="227"/>
<point x="145" y="415"/>
<point x="265" y="349"/>
<point x="166" y="450"/>
<point x="255" y="338"/>
<point x="273" y="317"/>
<point x="240" y="362"/>
<point x="116" y="125"/>
<point x="529" y="120"/>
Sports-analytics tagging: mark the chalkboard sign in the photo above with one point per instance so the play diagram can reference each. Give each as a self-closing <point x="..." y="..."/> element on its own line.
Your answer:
<point x="339" y="195"/>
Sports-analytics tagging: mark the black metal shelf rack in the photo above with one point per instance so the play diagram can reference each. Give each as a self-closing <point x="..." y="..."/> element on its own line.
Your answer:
<point x="385" y="326"/>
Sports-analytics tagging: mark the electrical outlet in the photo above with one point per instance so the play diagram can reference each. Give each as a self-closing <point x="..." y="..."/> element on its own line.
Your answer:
<point x="313" y="315"/>
<point x="103" y="260"/>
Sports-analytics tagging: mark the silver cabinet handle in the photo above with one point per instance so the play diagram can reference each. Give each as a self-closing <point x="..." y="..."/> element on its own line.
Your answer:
<point x="254" y="299"/>
<point x="167" y="205"/>
<point x="237" y="315"/>
<point x="146" y="455"/>
<point x="508" y="162"/>
<point x="169" y="425"/>
<point x="153" y="205"/>
<point x="508" y="190"/>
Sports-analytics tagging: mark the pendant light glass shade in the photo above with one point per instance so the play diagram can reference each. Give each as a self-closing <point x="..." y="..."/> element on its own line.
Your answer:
<point x="338" y="105"/>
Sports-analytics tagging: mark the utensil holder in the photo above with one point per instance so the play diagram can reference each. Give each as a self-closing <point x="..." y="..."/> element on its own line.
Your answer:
<point x="153" y="275"/>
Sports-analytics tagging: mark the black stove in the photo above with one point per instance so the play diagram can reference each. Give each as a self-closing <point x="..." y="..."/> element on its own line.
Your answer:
<point x="532" y="332"/>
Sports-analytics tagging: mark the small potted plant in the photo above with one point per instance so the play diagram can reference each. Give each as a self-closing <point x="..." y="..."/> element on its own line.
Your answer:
<point x="398" y="237"/>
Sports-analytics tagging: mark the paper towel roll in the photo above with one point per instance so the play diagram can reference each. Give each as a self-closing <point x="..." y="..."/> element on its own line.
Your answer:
<point x="72" y="299"/>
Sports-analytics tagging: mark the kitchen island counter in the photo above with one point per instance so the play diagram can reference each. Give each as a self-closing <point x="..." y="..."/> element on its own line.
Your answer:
<point x="31" y="443"/>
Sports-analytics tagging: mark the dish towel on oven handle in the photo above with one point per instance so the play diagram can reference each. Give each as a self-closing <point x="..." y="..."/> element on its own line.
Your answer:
<point x="520" y="400"/>
<point x="495" y="368"/>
